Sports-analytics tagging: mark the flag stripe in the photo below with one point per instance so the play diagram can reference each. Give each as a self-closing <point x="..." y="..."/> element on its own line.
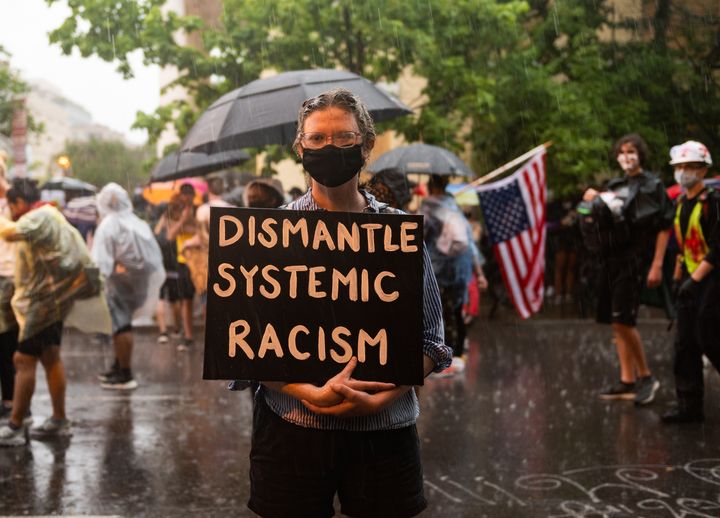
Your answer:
<point x="516" y="261"/>
<point x="503" y="257"/>
<point x="514" y="212"/>
<point x="529" y="202"/>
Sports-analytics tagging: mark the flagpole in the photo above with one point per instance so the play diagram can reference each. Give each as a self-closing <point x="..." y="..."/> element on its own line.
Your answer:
<point x="500" y="170"/>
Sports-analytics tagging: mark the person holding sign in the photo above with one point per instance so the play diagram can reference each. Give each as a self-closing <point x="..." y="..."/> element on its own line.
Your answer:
<point x="354" y="438"/>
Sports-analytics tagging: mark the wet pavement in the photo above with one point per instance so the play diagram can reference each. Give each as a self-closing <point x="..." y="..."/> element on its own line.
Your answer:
<point x="520" y="433"/>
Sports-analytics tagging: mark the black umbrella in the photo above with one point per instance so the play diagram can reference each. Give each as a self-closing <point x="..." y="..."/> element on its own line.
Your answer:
<point x="67" y="184"/>
<point x="421" y="159"/>
<point x="186" y="164"/>
<point x="265" y="111"/>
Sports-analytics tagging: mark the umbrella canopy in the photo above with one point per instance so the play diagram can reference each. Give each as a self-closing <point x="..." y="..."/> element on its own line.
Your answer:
<point x="183" y="165"/>
<point x="64" y="183"/>
<point x="161" y="192"/>
<point x="265" y="111"/>
<point x="421" y="159"/>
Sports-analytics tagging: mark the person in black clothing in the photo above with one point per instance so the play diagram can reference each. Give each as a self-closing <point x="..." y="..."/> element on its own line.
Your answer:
<point x="562" y="240"/>
<point x="697" y="230"/>
<point x="645" y="215"/>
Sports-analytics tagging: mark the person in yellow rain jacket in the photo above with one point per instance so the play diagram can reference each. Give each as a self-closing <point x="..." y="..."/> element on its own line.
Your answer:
<point x="697" y="230"/>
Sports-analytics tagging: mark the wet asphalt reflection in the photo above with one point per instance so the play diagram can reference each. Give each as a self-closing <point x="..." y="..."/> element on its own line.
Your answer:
<point x="520" y="433"/>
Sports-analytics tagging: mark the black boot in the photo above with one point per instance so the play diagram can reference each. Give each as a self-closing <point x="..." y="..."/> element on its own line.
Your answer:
<point x="684" y="413"/>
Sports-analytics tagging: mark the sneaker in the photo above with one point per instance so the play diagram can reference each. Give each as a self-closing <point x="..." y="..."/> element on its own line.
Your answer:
<point x="51" y="428"/>
<point x="163" y="338"/>
<point x="106" y="375"/>
<point x="619" y="390"/>
<point x="646" y="388"/>
<point x="6" y="412"/>
<point x="185" y="345"/>
<point x="12" y="437"/>
<point x="120" y="381"/>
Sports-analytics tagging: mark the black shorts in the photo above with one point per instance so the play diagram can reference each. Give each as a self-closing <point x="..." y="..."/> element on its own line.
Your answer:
<point x="619" y="283"/>
<point x="36" y="344"/>
<point x="295" y="471"/>
<point x="178" y="285"/>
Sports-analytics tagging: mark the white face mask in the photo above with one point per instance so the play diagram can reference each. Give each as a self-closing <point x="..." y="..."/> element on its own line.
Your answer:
<point x="686" y="179"/>
<point x="628" y="161"/>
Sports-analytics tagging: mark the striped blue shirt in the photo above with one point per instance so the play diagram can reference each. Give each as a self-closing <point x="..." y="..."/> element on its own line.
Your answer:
<point x="404" y="410"/>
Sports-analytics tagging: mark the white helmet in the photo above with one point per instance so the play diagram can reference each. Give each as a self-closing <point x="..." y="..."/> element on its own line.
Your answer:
<point x="690" y="151"/>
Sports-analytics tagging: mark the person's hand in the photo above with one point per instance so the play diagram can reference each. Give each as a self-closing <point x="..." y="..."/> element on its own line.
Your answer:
<point x="119" y="268"/>
<point x="590" y="195"/>
<point x="186" y="213"/>
<point x="688" y="289"/>
<point x="358" y="402"/>
<point x="654" y="277"/>
<point x="482" y="282"/>
<point x="327" y="395"/>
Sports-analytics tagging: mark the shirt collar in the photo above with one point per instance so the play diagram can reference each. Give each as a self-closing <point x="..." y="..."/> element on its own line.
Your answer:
<point x="307" y="202"/>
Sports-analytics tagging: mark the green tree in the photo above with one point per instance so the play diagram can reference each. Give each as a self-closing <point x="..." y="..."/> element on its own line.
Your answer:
<point x="377" y="38"/>
<point x="99" y="162"/>
<point x="12" y="90"/>
<point x="502" y="75"/>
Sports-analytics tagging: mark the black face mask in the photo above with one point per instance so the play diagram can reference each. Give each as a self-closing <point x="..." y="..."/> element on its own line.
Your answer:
<point x="332" y="166"/>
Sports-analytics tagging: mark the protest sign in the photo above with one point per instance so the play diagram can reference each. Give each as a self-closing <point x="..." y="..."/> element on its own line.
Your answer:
<point x="294" y="295"/>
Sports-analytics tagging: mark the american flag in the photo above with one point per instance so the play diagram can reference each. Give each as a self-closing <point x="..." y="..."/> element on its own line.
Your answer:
<point x="514" y="213"/>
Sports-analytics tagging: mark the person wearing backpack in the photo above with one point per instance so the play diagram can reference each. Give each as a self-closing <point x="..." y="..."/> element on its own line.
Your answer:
<point x="454" y="257"/>
<point x="697" y="230"/>
<point x="639" y="216"/>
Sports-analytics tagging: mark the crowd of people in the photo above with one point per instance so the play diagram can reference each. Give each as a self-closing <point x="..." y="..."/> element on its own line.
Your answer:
<point x="141" y="260"/>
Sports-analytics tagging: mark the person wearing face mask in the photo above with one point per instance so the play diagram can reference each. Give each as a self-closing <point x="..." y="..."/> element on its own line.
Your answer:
<point x="697" y="230"/>
<point x="646" y="214"/>
<point x="356" y="439"/>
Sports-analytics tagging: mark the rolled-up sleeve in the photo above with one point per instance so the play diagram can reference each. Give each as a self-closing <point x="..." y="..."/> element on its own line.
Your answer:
<point x="433" y="334"/>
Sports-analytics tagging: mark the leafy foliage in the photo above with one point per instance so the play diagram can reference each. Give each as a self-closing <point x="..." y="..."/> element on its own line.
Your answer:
<point x="100" y="161"/>
<point x="12" y="89"/>
<point x="502" y="75"/>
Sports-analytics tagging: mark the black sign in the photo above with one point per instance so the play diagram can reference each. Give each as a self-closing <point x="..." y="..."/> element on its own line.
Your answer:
<point x="294" y="295"/>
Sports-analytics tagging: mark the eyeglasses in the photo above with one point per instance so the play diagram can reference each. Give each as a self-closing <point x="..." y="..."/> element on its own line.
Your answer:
<point x="316" y="140"/>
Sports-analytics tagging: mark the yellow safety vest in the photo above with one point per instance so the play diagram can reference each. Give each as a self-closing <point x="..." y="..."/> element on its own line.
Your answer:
<point x="693" y="246"/>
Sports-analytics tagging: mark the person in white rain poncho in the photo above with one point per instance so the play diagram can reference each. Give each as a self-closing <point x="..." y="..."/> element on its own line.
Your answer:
<point x="53" y="271"/>
<point x="130" y="260"/>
